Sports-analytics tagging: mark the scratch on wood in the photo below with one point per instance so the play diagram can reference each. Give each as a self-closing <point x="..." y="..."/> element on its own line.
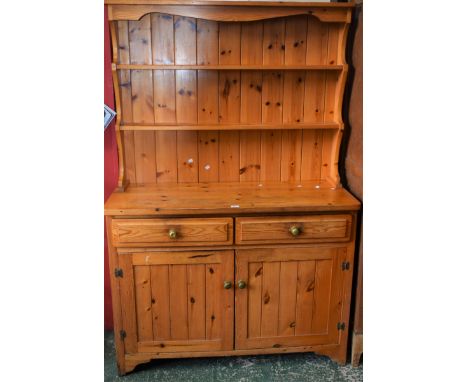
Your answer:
<point x="197" y="256"/>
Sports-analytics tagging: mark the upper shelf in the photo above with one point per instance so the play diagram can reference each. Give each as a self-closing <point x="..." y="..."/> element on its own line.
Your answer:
<point x="238" y="126"/>
<point x="228" y="67"/>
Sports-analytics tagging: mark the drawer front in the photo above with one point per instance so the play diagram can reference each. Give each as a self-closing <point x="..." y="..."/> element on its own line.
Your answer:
<point x="293" y="229"/>
<point x="171" y="232"/>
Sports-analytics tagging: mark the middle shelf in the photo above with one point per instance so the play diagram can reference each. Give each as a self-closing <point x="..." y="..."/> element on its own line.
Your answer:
<point x="227" y="67"/>
<point x="238" y="126"/>
<point x="228" y="99"/>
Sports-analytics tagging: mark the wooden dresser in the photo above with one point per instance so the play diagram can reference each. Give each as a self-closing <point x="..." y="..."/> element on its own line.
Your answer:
<point x="229" y="232"/>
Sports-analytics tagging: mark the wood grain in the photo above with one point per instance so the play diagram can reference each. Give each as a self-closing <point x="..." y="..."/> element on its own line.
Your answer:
<point x="207" y="100"/>
<point x="166" y="156"/>
<point x="185" y="40"/>
<point x="291" y="155"/>
<point x="214" y="280"/>
<point x="196" y="296"/>
<point x="270" y="299"/>
<point x="272" y="97"/>
<point x="140" y="41"/>
<point x="311" y="155"/>
<point x="317" y="42"/>
<point x="250" y="149"/>
<point x="320" y="228"/>
<point x="229" y="164"/>
<point x="295" y="40"/>
<point x="229" y="95"/>
<point x="143" y="303"/>
<point x="164" y="96"/>
<point x="116" y="300"/>
<point x="253" y="11"/>
<point x="251" y="43"/>
<point x="273" y="41"/>
<point x="187" y="156"/>
<point x="251" y="97"/>
<point x="207" y="42"/>
<point x="127" y="300"/>
<point x="300" y="296"/>
<point x="144" y="232"/>
<point x="314" y="97"/>
<point x="160" y="292"/>
<point x="287" y="298"/>
<point x="254" y="310"/>
<point x="270" y="160"/>
<point x="178" y="302"/>
<point x="229" y="43"/>
<point x="208" y="154"/>
<point x="162" y="38"/>
<point x="228" y="197"/>
<point x="323" y="278"/>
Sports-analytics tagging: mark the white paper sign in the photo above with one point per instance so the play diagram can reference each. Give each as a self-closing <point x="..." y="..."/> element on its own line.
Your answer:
<point x="109" y="115"/>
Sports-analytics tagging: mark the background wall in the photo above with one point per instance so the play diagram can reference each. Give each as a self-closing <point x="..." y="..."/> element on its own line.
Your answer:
<point x="110" y="164"/>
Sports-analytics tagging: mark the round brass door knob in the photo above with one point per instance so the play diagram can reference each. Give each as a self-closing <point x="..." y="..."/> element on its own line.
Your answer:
<point x="227" y="285"/>
<point x="241" y="284"/>
<point x="172" y="234"/>
<point x="294" y="230"/>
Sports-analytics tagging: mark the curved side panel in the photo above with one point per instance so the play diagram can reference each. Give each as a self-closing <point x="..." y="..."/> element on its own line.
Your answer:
<point x="332" y="138"/>
<point x="339" y="104"/>
<point x="228" y="13"/>
<point x="122" y="182"/>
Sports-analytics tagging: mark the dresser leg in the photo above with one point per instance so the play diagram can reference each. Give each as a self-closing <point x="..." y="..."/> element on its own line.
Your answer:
<point x="121" y="369"/>
<point x="336" y="354"/>
<point x="127" y="367"/>
<point x="130" y="362"/>
<point x="339" y="358"/>
<point x="356" y="351"/>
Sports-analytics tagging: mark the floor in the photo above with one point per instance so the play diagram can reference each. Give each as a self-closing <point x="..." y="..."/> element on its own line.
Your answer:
<point x="271" y="368"/>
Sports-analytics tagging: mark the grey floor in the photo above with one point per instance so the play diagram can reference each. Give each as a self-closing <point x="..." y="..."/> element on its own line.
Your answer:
<point x="275" y="368"/>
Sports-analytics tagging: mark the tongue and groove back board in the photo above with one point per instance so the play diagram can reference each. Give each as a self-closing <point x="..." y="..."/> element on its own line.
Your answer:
<point x="201" y="99"/>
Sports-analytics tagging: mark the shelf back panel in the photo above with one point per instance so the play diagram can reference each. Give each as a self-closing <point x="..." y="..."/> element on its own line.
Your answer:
<point x="248" y="97"/>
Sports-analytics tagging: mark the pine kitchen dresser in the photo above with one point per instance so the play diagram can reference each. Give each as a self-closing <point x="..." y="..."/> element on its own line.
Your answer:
<point x="229" y="232"/>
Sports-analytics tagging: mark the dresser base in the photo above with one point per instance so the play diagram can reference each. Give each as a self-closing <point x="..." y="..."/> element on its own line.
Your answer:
<point x="337" y="353"/>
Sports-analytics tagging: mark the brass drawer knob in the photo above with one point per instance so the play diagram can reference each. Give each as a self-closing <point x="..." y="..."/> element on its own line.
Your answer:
<point x="241" y="284"/>
<point x="295" y="230"/>
<point x="172" y="234"/>
<point x="227" y="285"/>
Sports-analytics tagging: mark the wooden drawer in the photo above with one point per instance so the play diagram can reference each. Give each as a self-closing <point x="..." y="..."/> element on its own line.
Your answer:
<point x="171" y="232"/>
<point x="308" y="229"/>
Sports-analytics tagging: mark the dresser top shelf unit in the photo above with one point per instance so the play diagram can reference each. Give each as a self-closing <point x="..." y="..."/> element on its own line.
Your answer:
<point x="229" y="198"/>
<point x="229" y="94"/>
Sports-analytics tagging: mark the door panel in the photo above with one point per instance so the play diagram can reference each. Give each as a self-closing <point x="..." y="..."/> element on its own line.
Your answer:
<point x="293" y="296"/>
<point x="176" y="301"/>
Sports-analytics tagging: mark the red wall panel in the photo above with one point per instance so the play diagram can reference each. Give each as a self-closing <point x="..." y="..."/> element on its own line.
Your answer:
<point x="110" y="164"/>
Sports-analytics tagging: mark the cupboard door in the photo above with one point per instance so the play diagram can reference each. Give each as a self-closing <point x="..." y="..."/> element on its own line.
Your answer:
<point x="291" y="296"/>
<point x="177" y="301"/>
